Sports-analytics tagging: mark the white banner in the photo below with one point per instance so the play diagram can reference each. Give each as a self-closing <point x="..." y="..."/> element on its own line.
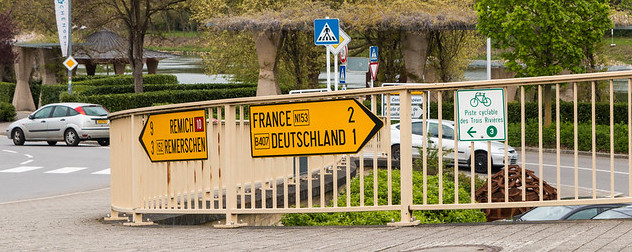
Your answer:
<point x="62" y="12"/>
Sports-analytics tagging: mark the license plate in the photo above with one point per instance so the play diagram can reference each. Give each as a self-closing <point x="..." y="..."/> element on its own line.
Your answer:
<point x="102" y="121"/>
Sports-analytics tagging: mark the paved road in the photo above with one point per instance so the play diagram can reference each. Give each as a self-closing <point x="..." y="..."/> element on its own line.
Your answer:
<point x="70" y="223"/>
<point x="38" y="170"/>
<point x="567" y="171"/>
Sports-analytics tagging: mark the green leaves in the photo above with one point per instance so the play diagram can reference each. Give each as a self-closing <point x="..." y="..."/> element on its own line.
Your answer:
<point x="544" y="37"/>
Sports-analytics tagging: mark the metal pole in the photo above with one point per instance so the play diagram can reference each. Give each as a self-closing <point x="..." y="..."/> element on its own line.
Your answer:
<point x="328" y="71"/>
<point x="489" y="58"/>
<point x="69" y="44"/>
<point x="335" y="71"/>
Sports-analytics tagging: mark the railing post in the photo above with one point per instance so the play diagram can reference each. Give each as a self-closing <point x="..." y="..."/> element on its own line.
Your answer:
<point x="227" y="147"/>
<point x="406" y="160"/>
<point x="137" y="163"/>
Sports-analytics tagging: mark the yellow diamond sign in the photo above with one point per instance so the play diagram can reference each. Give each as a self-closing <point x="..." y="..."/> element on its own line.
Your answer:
<point x="70" y="63"/>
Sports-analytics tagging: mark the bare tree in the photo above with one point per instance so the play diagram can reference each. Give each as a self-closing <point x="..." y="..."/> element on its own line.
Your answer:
<point x="136" y="15"/>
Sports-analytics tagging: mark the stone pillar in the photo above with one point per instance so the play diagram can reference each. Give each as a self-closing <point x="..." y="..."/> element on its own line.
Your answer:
<point x="46" y="57"/>
<point x="91" y="68"/>
<point x="415" y="52"/>
<point x="22" y="97"/>
<point x="152" y="66"/>
<point x="119" y="68"/>
<point x="267" y="44"/>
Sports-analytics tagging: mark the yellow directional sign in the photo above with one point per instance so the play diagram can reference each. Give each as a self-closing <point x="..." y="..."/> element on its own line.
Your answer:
<point x="311" y="128"/>
<point x="175" y="136"/>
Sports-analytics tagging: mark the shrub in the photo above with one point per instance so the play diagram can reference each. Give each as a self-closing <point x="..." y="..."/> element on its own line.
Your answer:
<point x="128" y="80"/>
<point x="7" y="112"/>
<point x="117" y="102"/>
<point x="6" y="91"/>
<point x="121" y="89"/>
<point x="383" y="217"/>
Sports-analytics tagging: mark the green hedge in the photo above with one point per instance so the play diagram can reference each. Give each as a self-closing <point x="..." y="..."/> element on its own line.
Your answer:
<point x="6" y="91"/>
<point x="584" y="136"/>
<point x="128" y="80"/>
<point x="383" y="217"/>
<point x="88" y="77"/>
<point x="117" y="102"/>
<point x="584" y="112"/>
<point x="7" y="112"/>
<point x="121" y="89"/>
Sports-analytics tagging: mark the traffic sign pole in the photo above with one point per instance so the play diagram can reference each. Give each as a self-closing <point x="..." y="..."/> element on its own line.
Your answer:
<point x="328" y="71"/>
<point x="70" y="45"/>
<point x="336" y="72"/>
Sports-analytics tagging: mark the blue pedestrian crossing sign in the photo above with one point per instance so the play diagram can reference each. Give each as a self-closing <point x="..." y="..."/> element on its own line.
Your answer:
<point x="373" y="54"/>
<point x="326" y="31"/>
<point x="343" y="74"/>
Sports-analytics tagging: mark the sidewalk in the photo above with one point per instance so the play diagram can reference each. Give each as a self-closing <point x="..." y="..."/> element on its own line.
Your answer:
<point x="71" y="223"/>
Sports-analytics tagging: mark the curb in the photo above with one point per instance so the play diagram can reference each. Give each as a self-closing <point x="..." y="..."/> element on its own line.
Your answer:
<point x="580" y="153"/>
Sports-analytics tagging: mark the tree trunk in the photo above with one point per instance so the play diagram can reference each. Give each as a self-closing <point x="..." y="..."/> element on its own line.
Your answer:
<point x="267" y="44"/>
<point x="415" y="51"/>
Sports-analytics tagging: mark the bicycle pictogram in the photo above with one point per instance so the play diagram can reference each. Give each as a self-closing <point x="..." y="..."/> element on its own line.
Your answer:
<point x="480" y="98"/>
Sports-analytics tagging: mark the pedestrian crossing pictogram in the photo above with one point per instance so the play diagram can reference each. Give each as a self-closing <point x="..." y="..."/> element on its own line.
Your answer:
<point x="326" y="31"/>
<point x="326" y="35"/>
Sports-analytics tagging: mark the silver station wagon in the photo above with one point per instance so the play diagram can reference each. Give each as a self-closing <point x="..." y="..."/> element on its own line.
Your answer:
<point x="69" y="122"/>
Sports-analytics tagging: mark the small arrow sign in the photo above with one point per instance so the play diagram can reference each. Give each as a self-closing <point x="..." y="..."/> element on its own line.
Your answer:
<point x="373" y="67"/>
<point x="175" y="136"/>
<point x="311" y="128"/>
<point x="471" y="131"/>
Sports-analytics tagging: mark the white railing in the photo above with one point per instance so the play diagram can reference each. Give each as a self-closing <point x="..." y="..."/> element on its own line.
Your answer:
<point x="231" y="182"/>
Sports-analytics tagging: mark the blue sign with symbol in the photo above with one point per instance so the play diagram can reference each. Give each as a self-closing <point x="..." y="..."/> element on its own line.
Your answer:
<point x="343" y="74"/>
<point x="326" y="31"/>
<point x="373" y="54"/>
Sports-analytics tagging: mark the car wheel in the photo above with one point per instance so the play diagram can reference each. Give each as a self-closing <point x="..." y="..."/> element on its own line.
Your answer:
<point x="395" y="154"/>
<point x="104" y="142"/>
<point x="480" y="162"/>
<point x="71" y="137"/>
<point x="51" y="143"/>
<point x="18" y="137"/>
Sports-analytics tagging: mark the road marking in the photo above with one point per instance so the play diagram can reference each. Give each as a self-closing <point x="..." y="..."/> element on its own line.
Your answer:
<point x="28" y="156"/>
<point x="10" y="151"/>
<point x="578" y="168"/>
<point x="26" y="162"/>
<point x="22" y="169"/>
<point x="65" y="170"/>
<point x="103" y="172"/>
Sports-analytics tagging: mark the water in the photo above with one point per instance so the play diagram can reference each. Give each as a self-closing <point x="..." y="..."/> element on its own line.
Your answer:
<point x="190" y="69"/>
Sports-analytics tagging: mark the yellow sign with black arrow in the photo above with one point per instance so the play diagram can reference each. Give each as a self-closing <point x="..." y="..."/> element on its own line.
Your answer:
<point x="311" y="128"/>
<point x="175" y="136"/>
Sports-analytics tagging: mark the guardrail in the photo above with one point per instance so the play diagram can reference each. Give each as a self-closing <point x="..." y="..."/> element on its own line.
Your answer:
<point x="231" y="182"/>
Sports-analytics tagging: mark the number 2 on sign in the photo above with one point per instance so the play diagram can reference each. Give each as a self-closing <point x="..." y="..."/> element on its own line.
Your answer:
<point x="351" y="115"/>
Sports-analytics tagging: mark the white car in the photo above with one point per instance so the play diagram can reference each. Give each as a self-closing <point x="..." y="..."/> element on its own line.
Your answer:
<point x="69" y="122"/>
<point x="480" y="148"/>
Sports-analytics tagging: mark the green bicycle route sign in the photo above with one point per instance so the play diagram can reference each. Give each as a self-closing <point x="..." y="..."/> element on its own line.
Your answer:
<point x="481" y="114"/>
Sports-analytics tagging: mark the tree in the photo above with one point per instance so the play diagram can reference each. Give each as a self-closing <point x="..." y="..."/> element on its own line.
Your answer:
<point x="136" y="15"/>
<point x="8" y="31"/>
<point x="545" y="37"/>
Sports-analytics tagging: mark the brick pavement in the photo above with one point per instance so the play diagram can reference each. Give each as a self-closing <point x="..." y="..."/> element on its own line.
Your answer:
<point x="71" y="223"/>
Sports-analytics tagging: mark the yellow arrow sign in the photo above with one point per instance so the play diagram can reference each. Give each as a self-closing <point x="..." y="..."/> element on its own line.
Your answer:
<point x="311" y="128"/>
<point x="175" y="136"/>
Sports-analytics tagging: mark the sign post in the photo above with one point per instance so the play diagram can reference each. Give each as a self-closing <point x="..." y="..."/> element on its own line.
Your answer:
<point x="175" y="136"/>
<point x="373" y="63"/>
<point x="311" y="128"/>
<point x="63" y="17"/>
<point x="481" y="114"/>
<point x="327" y="32"/>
